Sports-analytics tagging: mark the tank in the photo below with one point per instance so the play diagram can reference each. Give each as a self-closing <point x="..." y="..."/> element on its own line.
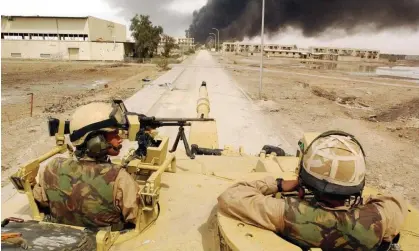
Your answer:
<point x="179" y="189"/>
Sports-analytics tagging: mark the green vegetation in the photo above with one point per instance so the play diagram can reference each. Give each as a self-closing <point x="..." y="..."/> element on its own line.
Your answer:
<point x="147" y="36"/>
<point x="169" y="44"/>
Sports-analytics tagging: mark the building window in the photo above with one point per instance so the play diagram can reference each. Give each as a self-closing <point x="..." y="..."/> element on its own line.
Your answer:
<point x="16" y="55"/>
<point x="45" y="55"/>
<point x="44" y="36"/>
<point x="51" y="37"/>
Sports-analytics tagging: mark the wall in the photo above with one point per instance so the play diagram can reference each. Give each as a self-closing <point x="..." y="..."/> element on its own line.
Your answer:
<point x="107" y="51"/>
<point x="356" y="59"/>
<point x="45" y="25"/>
<point x="32" y="49"/>
<point x="102" y="30"/>
<point x="349" y="58"/>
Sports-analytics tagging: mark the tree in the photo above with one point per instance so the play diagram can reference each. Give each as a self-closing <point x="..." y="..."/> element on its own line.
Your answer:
<point x="147" y="36"/>
<point x="169" y="44"/>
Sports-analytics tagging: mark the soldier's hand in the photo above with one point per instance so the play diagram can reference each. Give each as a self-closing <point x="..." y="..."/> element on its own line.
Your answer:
<point x="290" y="185"/>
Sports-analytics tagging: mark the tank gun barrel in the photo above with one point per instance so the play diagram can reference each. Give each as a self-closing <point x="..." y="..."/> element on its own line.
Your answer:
<point x="203" y="104"/>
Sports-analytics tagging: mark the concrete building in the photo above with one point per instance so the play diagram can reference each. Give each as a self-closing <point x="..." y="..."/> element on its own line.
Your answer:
<point x="62" y="38"/>
<point x="292" y="51"/>
<point x="344" y="54"/>
<point x="254" y="48"/>
<point x="185" y="41"/>
<point x="182" y="44"/>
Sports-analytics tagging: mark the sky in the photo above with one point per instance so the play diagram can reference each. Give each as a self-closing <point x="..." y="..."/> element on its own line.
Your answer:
<point x="175" y="15"/>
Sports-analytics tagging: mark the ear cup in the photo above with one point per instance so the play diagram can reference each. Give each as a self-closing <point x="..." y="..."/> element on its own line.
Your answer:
<point x="97" y="146"/>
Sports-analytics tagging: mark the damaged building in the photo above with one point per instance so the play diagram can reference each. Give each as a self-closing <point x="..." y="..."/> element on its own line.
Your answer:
<point x="344" y="54"/>
<point x="292" y="51"/>
<point x="255" y="48"/>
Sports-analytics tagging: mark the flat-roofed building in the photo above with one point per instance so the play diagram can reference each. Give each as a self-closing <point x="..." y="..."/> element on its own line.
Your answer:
<point x="254" y="48"/>
<point x="65" y="38"/>
<point x="345" y="54"/>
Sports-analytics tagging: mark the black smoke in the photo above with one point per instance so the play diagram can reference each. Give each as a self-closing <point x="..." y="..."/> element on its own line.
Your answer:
<point x="237" y="19"/>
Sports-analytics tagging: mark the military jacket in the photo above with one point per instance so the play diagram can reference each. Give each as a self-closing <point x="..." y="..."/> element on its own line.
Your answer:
<point x="310" y="225"/>
<point x="80" y="192"/>
<point x="307" y="224"/>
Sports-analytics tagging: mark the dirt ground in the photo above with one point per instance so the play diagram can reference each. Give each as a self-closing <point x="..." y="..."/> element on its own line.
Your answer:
<point x="381" y="111"/>
<point x="58" y="88"/>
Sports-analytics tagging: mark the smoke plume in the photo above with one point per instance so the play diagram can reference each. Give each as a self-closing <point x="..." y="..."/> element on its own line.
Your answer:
<point x="237" y="19"/>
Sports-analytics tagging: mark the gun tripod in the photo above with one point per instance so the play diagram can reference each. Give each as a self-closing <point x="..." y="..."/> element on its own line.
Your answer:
<point x="181" y="136"/>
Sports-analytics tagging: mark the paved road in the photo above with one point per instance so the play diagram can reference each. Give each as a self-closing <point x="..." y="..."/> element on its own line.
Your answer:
<point x="239" y="121"/>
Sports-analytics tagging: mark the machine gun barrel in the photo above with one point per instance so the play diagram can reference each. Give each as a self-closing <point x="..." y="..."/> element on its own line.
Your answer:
<point x="182" y="119"/>
<point x="154" y="122"/>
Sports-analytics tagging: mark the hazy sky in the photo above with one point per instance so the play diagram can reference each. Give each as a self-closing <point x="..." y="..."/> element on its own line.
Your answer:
<point x="179" y="12"/>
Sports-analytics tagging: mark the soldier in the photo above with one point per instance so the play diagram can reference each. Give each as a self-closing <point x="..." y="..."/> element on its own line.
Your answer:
<point x="335" y="217"/>
<point x="89" y="190"/>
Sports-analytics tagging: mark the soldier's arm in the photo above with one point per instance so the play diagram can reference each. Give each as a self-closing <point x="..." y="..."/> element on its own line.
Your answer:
<point x="39" y="195"/>
<point x="125" y="196"/>
<point x="394" y="210"/>
<point x="39" y="191"/>
<point x="252" y="203"/>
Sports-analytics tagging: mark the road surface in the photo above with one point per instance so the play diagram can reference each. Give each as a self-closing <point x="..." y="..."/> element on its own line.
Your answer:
<point x="239" y="120"/>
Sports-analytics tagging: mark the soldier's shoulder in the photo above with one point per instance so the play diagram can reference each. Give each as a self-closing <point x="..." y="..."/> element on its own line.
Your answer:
<point x="58" y="162"/>
<point x="105" y="165"/>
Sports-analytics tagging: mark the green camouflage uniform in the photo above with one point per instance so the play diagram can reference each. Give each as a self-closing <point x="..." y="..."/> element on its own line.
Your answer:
<point x="80" y="193"/>
<point x="309" y="225"/>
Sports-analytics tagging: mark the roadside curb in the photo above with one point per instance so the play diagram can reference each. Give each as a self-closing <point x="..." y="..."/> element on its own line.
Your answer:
<point x="145" y="99"/>
<point x="238" y="87"/>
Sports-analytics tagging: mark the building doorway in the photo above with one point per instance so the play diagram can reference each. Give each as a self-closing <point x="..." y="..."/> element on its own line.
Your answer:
<point x="73" y="53"/>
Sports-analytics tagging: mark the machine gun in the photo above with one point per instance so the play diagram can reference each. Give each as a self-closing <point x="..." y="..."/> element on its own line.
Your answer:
<point x="145" y="140"/>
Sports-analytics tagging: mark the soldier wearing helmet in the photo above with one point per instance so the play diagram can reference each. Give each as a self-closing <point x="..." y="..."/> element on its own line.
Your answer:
<point x="335" y="217"/>
<point x="89" y="190"/>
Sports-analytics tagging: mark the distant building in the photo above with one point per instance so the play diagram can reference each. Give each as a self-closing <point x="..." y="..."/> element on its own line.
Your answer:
<point x="183" y="44"/>
<point x="254" y="48"/>
<point x="344" y="54"/>
<point x="292" y="51"/>
<point x="185" y="41"/>
<point x="63" y="38"/>
<point x="412" y="57"/>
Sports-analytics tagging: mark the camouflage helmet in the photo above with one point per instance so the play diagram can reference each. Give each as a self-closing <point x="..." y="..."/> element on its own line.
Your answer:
<point x="86" y="116"/>
<point x="334" y="163"/>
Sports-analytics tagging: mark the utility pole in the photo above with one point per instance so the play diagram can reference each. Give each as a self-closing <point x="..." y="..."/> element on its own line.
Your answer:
<point x="261" y="49"/>
<point x="215" y="36"/>
<point x="218" y="46"/>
